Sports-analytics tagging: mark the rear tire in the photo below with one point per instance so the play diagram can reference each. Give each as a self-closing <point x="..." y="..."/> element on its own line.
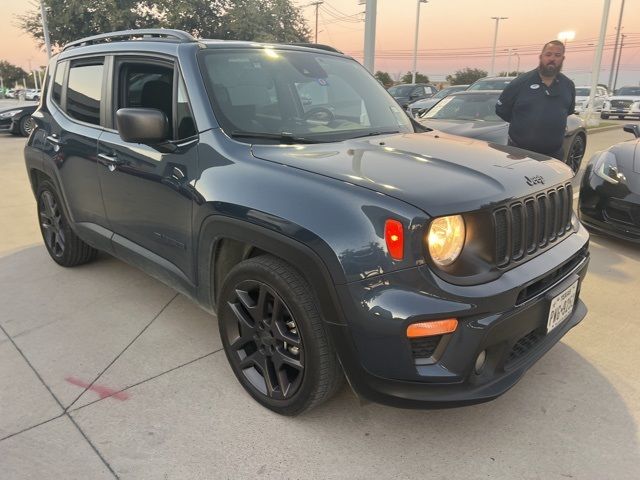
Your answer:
<point x="274" y="337"/>
<point x="26" y="125"/>
<point x="64" y="246"/>
<point x="604" y="116"/>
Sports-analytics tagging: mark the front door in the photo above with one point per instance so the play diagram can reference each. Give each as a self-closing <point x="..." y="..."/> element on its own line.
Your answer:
<point x="146" y="189"/>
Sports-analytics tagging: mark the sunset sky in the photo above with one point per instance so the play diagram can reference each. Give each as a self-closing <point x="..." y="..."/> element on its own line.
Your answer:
<point x="453" y="34"/>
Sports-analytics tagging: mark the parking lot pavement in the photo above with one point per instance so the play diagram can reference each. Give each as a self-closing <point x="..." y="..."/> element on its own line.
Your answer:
<point x="107" y="373"/>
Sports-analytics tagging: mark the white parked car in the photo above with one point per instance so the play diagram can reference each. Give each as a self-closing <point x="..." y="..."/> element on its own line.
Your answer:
<point x="32" y="94"/>
<point x="582" y="98"/>
<point x="624" y="102"/>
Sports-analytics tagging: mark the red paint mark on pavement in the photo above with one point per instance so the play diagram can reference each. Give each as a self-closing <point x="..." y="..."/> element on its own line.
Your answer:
<point x="101" y="390"/>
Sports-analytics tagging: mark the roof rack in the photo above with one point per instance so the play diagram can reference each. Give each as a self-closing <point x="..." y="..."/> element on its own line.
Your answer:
<point x="148" y="33"/>
<point x="319" y="46"/>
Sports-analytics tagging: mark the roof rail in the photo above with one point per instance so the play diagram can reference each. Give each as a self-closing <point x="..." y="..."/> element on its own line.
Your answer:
<point x="319" y="46"/>
<point x="154" y="33"/>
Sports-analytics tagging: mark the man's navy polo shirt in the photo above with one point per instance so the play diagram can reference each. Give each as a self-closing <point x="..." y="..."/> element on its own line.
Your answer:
<point x="537" y="114"/>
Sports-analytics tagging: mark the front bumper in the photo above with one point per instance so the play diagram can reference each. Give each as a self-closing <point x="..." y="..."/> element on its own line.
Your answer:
<point x="610" y="209"/>
<point x="384" y="366"/>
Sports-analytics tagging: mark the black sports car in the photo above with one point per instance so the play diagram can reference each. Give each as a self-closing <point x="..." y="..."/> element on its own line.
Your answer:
<point x="472" y="114"/>
<point x="17" y="119"/>
<point x="610" y="190"/>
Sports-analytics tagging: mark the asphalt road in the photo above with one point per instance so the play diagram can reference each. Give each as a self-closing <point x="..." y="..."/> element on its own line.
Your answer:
<point x="180" y="413"/>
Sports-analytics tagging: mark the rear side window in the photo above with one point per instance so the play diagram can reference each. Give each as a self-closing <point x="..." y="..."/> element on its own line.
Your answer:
<point x="56" y="90"/>
<point x="84" y="91"/>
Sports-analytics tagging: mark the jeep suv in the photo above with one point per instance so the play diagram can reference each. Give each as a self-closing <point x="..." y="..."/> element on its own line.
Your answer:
<point x="281" y="188"/>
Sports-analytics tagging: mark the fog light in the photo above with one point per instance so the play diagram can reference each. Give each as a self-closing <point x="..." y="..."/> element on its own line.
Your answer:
<point x="480" y="361"/>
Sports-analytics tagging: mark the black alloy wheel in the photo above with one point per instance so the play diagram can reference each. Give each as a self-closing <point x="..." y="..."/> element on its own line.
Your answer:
<point x="274" y="337"/>
<point x="63" y="245"/>
<point x="266" y="345"/>
<point x="576" y="152"/>
<point x="27" y="125"/>
<point x="51" y="224"/>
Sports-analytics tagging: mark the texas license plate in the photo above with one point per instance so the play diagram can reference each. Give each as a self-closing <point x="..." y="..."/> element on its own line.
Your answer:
<point x="561" y="307"/>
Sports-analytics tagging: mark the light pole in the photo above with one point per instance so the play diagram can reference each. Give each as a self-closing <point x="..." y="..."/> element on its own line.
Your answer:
<point x="45" y="28"/>
<point x="518" y="65"/>
<point x="495" y="40"/>
<point x="591" y="120"/>
<point x="370" y="35"/>
<point x="615" y="80"/>
<point x="615" y="48"/>
<point x="415" y="43"/>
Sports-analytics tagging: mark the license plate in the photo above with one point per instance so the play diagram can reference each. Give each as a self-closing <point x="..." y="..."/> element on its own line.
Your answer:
<point x="561" y="307"/>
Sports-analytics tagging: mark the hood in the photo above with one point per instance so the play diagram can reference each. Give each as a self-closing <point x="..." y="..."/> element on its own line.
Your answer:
<point x="487" y="131"/>
<point x="634" y="98"/>
<point x="436" y="172"/>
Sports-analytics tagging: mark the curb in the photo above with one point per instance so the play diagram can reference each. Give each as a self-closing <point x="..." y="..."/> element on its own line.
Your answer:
<point x="603" y="129"/>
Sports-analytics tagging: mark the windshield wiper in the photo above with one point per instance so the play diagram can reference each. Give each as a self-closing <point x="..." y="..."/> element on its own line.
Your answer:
<point x="284" y="137"/>
<point x="373" y="134"/>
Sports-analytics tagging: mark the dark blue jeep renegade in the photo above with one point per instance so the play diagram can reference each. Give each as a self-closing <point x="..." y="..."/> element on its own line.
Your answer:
<point x="281" y="187"/>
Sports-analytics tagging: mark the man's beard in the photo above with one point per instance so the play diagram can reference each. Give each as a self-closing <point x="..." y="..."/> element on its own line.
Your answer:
<point x="549" y="70"/>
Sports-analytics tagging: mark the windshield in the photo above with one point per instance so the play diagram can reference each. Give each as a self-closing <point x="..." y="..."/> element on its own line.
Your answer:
<point x="401" y="90"/>
<point x="583" y="92"/>
<point x="492" y="84"/>
<point x="300" y="95"/>
<point x="447" y="91"/>
<point x="633" y="91"/>
<point x="466" y="107"/>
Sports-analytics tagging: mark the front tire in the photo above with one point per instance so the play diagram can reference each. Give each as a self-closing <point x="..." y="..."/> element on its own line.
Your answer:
<point x="63" y="245"/>
<point x="604" y="116"/>
<point x="274" y="336"/>
<point x="26" y="125"/>
<point x="576" y="152"/>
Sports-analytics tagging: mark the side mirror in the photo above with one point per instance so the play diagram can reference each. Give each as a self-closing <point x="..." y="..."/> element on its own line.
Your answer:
<point x="632" y="128"/>
<point x="142" y="125"/>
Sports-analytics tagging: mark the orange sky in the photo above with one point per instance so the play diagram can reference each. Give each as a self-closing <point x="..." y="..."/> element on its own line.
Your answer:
<point x="445" y="25"/>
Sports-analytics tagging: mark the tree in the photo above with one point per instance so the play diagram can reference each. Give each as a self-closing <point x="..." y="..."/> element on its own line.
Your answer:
<point x="11" y="74"/>
<point x="420" y="78"/>
<point x="70" y="20"/>
<point x="253" y="20"/>
<point x="466" y="76"/>
<point x="509" y="74"/>
<point x="384" y="78"/>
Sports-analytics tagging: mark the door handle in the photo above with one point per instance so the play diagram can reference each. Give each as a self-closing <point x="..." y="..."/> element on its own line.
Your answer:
<point x="110" y="161"/>
<point x="57" y="143"/>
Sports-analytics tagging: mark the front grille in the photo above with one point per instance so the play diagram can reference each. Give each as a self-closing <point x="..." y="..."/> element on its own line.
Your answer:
<point x="534" y="289"/>
<point x="621" y="103"/>
<point x="525" y="345"/>
<point x="532" y="223"/>
<point x="424" y="347"/>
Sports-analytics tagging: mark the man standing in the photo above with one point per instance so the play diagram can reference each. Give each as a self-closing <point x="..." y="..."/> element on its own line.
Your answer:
<point x="537" y="104"/>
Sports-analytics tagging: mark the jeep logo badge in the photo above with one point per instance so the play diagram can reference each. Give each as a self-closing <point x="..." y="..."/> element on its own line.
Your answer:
<point x="534" y="180"/>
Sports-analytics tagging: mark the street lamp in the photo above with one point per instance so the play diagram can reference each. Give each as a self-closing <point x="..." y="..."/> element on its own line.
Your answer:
<point x="567" y="36"/>
<point x="495" y="39"/>
<point x="415" y="43"/>
<point x="518" y="67"/>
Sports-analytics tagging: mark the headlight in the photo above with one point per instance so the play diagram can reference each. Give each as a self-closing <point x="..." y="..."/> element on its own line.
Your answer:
<point x="635" y="107"/>
<point x="606" y="106"/>
<point x="606" y="168"/>
<point x="9" y="114"/>
<point x="446" y="239"/>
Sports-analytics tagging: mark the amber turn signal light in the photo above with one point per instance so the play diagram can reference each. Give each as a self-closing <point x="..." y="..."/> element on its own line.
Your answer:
<point x="432" y="328"/>
<point x="394" y="237"/>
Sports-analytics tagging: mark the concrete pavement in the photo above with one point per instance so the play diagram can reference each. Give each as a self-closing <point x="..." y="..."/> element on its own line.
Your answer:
<point x="107" y="373"/>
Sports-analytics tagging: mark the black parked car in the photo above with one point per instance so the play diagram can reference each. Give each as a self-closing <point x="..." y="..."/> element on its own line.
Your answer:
<point x="472" y="114"/>
<point x="329" y="235"/>
<point x="410" y="92"/>
<point x="610" y="190"/>
<point x="419" y="108"/>
<point x="17" y="120"/>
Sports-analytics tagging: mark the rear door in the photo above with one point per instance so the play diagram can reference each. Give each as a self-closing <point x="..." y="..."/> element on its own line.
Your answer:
<point x="73" y="124"/>
<point x="146" y="189"/>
